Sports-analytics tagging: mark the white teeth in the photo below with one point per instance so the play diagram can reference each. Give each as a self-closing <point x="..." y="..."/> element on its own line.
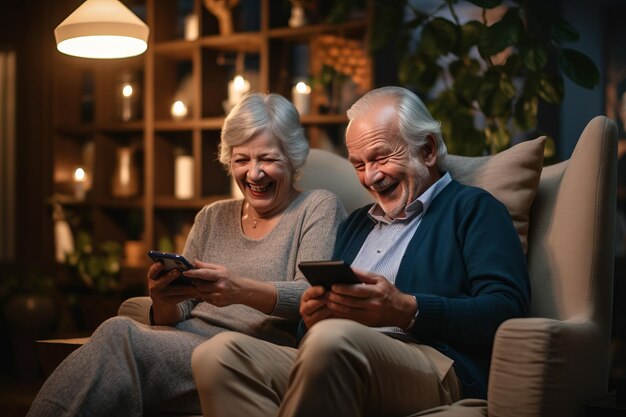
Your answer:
<point x="258" y="188"/>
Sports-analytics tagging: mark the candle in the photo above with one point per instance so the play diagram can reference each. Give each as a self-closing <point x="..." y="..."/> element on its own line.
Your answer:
<point x="191" y="27"/>
<point x="127" y="101"/>
<point x="79" y="183"/>
<point x="237" y="88"/>
<point x="179" y="110"/>
<point x="301" y="97"/>
<point x="183" y="176"/>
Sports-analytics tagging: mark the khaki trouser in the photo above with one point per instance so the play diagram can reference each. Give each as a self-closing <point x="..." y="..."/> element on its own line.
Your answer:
<point x="341" y="369"/>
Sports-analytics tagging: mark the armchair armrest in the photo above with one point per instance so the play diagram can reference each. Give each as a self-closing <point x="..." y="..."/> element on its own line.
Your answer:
<point x="137" y="308"/>
<point x="546" y="367"/>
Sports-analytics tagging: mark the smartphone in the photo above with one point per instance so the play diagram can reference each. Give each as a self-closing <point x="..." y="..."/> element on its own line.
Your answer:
<point x="173" y="261"/>
<point x="327" y="273"/>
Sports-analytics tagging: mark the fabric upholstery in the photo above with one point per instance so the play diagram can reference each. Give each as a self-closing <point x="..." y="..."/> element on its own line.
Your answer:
<point x="511" y="176"/>
<point x="331" y="172"/>
<point x="558" y="360"/>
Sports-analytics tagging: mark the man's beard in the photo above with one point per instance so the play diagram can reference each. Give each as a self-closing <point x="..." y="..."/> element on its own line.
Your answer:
<point x="421" y="176"/>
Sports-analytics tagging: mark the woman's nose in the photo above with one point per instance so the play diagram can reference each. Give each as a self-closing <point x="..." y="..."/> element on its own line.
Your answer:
<point x="256" y="171"/>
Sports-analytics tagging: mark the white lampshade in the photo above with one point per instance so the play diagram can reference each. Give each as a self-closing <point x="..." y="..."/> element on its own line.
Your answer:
<point x="102" y="29"/>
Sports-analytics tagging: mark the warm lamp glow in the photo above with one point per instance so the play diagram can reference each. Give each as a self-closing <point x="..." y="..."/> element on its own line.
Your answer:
<point x="102" y="29"/>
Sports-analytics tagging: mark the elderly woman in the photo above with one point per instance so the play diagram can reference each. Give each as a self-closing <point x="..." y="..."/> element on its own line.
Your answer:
<point x="246" y="253"/>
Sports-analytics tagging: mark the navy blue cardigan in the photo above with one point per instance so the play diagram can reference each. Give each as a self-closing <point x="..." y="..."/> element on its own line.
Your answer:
<point x="466" y="267"/>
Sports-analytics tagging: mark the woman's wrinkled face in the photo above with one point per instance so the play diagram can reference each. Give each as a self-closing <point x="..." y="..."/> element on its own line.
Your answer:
<point x="263" y="173"/>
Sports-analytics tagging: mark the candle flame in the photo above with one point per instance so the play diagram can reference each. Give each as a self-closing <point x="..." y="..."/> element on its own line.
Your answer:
<point x="79" y="175"/>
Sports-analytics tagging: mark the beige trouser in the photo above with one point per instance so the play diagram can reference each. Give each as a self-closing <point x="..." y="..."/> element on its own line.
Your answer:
<point x="341" y="369"/>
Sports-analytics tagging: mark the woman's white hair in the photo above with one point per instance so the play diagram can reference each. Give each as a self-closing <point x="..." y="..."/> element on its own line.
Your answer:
<point x="260" y="113"/>
<point x="415" y="122"/>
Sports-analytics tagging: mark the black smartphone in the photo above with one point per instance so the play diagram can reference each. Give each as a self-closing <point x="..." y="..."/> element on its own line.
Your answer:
<point x="327" y="273"/>
<point x="173" y="261"/>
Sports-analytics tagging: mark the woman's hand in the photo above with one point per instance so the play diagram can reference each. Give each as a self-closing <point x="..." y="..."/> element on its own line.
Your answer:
<point x="162" y="292"/>
<point x="221" y="287"/>
<point x="216" y="284"/>
<point x="165" y="297"/>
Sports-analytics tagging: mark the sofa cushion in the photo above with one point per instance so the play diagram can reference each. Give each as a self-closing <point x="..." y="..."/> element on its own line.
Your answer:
<point x="511" y="176"/>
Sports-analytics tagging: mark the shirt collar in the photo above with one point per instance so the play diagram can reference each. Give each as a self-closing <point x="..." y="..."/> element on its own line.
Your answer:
<point x="416" y="207"/>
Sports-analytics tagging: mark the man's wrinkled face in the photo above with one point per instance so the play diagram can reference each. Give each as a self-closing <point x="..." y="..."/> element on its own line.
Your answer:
<point x="384" y="163"/>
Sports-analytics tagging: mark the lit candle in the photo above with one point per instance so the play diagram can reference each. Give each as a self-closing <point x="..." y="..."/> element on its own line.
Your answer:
<point x="79" y="183"/>
<point x="301" y="97"/>
<point x="179" y="110"/>
<point x="127" y="102"/>
<point x="237" y="88"/>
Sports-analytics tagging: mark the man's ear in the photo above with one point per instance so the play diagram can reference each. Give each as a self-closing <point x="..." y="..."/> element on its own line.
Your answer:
<point x="429" y="151"/>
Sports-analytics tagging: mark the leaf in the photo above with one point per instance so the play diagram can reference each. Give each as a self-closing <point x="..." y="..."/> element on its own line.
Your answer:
<point x="498" y="136"/>
<point x="535" y="57"/>
<point x="496" y="93"/>
<point x="466" y="87"/>
<point x="562" y="31"/>
<point x="418" y="71"/>
<point x="502" y="34"/>
<point x="549" y="149"/>
<point x="418" y="20"/>
<point x="486" y="4"/>
<point x="471" y="33"/>
<point x="551" y="88"/>
<point x="438" y="37"/>
<point x="579" y="68"/>
<point x="525" y="113"/>
<point x="388" y="18"/>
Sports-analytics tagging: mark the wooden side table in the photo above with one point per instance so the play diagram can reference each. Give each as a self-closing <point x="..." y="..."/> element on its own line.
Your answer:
<point x="52" y="352"/>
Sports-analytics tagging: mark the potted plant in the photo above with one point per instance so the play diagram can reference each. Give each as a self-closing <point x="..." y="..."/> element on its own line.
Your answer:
<point x="94" y="280"/>
<point x="483" y="78"/>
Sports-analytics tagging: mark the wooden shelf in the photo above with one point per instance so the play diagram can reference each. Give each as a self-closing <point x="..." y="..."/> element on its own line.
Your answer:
<point x="88" y="131"/>
<point x="309" y="31"/>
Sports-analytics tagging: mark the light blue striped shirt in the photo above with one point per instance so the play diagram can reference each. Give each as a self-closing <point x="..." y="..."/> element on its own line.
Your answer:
<point x="384" y="247"/>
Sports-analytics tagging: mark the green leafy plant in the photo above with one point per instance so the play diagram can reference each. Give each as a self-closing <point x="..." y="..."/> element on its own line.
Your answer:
<point x="483" y="80"/>
<point x="97" y="268"/>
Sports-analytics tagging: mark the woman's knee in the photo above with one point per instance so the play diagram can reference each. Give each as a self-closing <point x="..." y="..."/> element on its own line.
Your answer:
<point x="114" y="327"/>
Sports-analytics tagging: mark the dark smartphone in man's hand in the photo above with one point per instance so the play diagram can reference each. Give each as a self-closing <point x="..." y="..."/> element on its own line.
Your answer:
<point x="173" y="261"/>
<point x="327" y="273"/>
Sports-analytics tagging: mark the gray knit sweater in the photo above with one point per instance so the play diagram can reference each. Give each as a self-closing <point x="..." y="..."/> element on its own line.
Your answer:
<point x="305" y="232"/>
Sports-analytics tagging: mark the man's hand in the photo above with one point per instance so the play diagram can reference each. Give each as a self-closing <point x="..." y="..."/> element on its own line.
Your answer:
<point x="375" y="303"/>
<point x="313" y="305"/>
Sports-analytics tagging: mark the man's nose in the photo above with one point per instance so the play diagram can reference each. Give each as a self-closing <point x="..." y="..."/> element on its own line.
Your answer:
<point x="372" y="175"/>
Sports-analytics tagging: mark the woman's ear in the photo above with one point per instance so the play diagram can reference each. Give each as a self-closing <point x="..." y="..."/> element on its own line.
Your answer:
<point x="429" y="151"/>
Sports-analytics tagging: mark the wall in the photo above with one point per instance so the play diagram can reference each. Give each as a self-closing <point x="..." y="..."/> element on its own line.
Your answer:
<point x="581" y="105"/>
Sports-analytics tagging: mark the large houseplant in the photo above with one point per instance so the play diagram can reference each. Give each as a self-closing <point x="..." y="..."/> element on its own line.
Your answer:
<point x="482" y="78"/>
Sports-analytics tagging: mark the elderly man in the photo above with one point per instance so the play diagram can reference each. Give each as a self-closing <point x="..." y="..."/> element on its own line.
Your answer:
<point x="441" y="266"/>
